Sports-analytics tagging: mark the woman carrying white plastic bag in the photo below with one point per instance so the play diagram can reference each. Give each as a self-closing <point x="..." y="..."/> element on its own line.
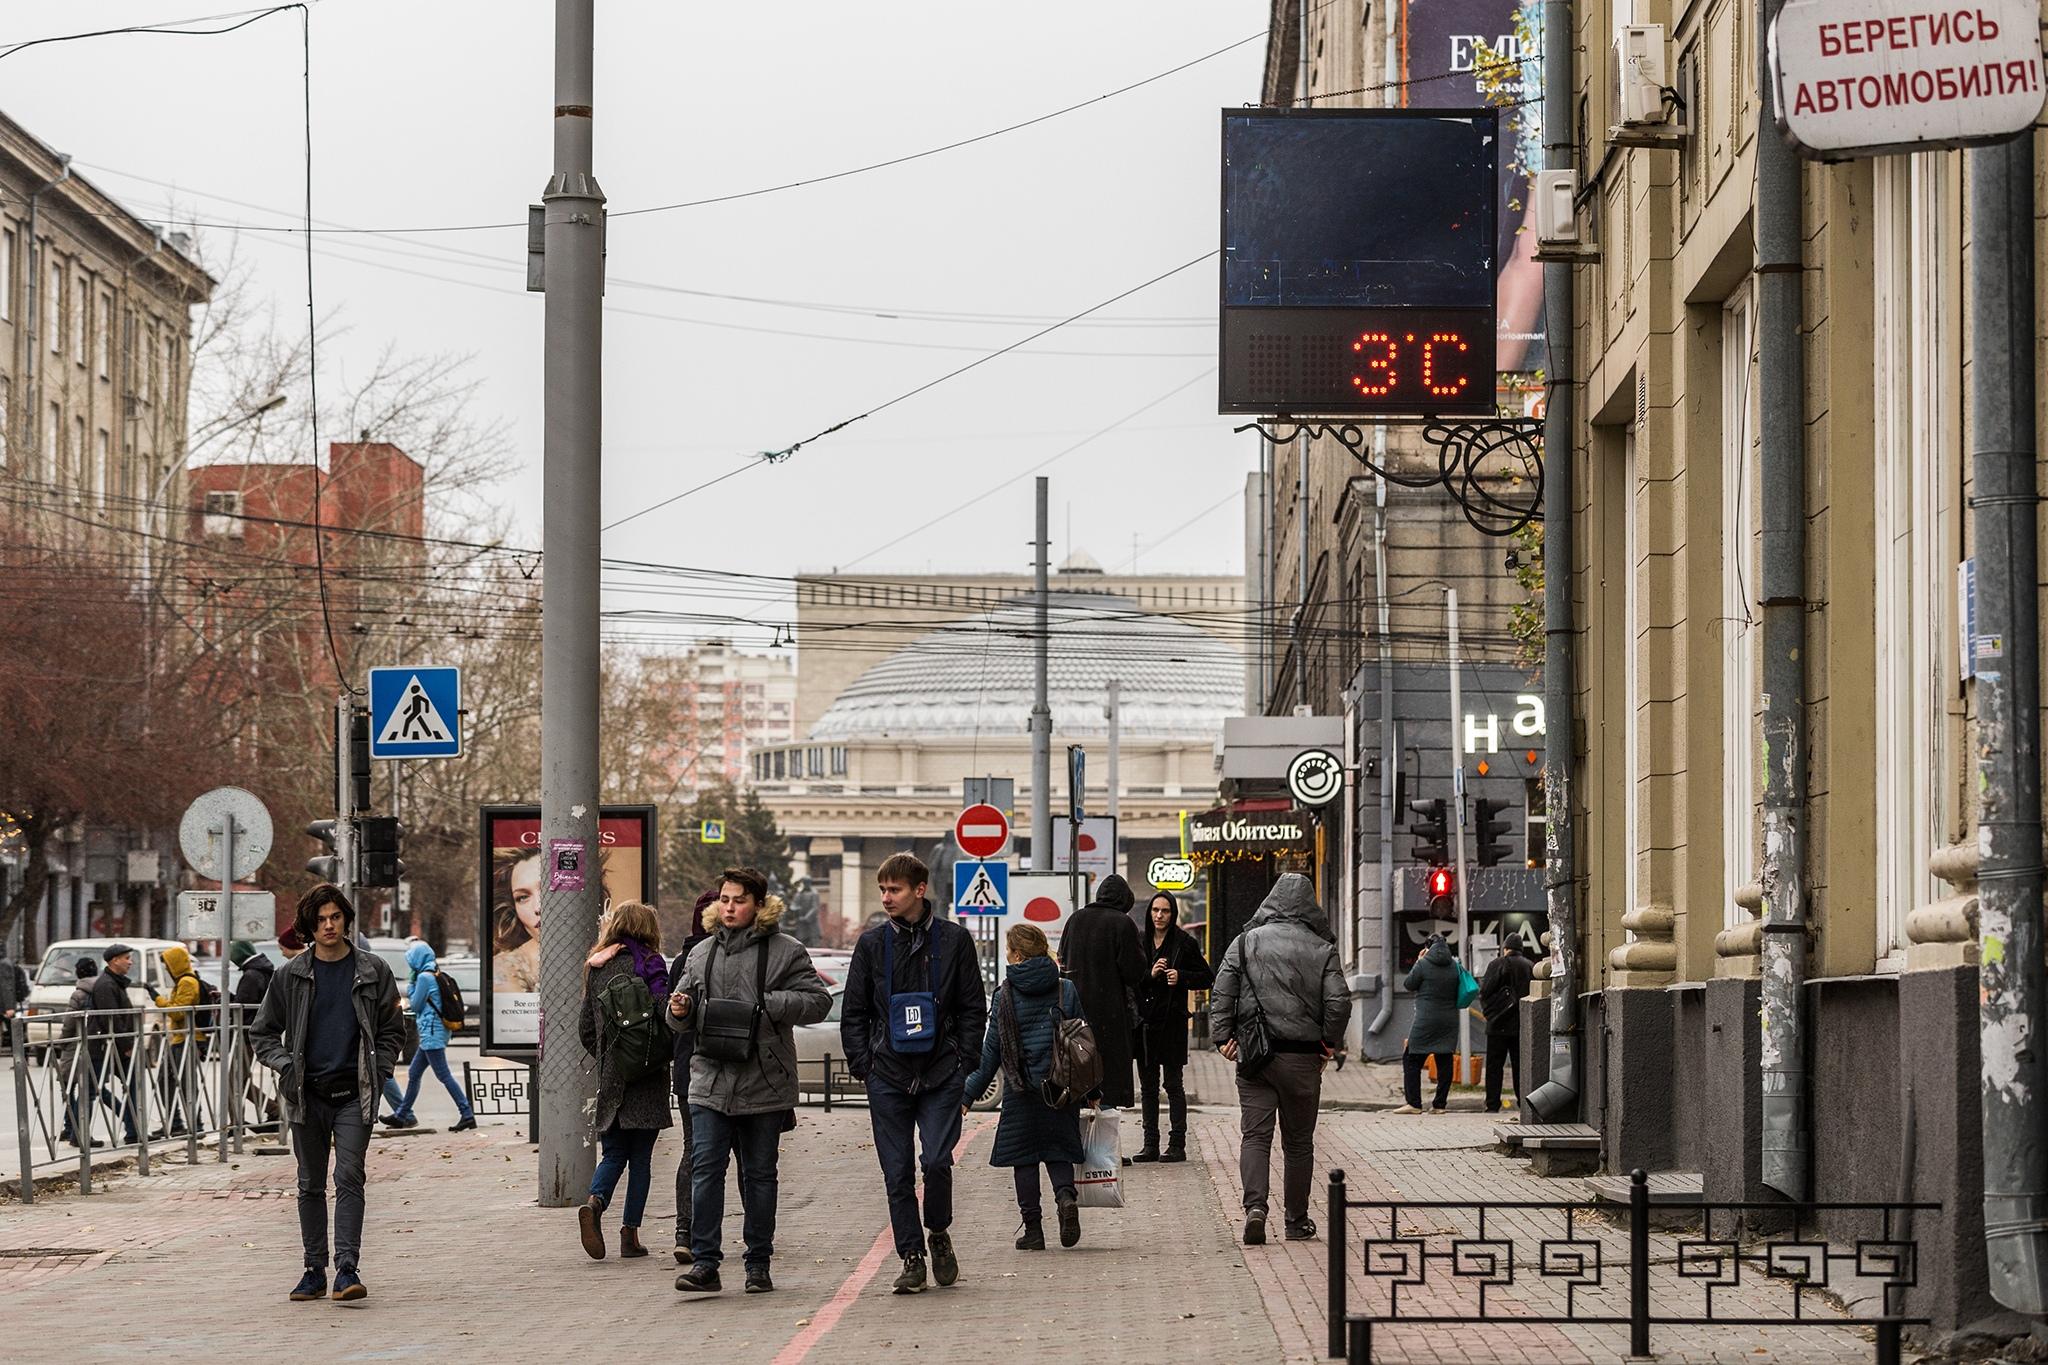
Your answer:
<point x="1099" y="1180"/>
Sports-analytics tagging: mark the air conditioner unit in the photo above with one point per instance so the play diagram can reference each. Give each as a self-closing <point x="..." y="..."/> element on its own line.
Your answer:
<point x="1639" y="74"/>
<point x="1557" y="217"/>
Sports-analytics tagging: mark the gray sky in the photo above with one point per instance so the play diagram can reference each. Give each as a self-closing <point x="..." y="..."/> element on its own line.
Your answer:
<point x="436" y="112"/>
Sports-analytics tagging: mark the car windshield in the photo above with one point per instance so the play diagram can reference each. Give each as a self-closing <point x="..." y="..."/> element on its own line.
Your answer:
<point x="60" y="965"/>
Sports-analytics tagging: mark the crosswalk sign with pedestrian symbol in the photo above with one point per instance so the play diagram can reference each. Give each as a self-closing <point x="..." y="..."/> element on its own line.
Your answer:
<point x="415" y="713"/>
<point x="981" y="888"/>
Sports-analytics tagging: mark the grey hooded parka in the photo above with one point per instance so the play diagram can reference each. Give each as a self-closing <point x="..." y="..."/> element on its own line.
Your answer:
<point x="1292" y="958"/>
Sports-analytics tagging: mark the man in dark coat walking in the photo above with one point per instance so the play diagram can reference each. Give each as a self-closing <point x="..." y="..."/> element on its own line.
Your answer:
<point x="1099" y="951"/>
<point x="1500" y="999"/>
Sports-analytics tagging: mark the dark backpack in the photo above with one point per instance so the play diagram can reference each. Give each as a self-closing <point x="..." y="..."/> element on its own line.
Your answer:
<point x="1075" y="1071"/>
<point x="451" y="1009"/>
<point x="207" y="1012"/>
<point x="633" y="1035"/>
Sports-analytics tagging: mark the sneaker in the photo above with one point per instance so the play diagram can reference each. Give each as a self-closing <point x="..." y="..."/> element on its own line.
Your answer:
<point x="1408" y="1109"/>
<point x="945" y="1265"/>
<point x="1301" y="1231"/>
<point x="1032" y="1238"/>
<point x="699" y="1279"/>
<point x="399" y="1121"/>
<point x="1150" y="1153"/>
<point x="683" y="1256"/>
<point x="1070" y="1220"/>
<point x="591" y="1234"/>
<point x="1255" y="1227"/>
<point x="758" y="1281"/>
<point x="911" y="1281"/>
<point x="347" y="1288"/>
<point x="311" y="1285"/>
<point x="465" y="1125"/>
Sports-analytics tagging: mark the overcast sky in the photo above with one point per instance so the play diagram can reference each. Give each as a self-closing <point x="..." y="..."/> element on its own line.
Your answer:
<point x="437" y="111"/>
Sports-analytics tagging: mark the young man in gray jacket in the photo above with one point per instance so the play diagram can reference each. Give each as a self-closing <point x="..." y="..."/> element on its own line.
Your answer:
<point x="1282" y="967"/>
<point x="741" y="993"/>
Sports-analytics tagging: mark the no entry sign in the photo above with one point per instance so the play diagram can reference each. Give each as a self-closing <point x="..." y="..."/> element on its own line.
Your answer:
<point x="1859" y="77"/>
<point x="981" y="831"/>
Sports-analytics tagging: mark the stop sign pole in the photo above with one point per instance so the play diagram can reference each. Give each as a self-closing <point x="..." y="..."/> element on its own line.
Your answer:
<point x="981" y="831"/>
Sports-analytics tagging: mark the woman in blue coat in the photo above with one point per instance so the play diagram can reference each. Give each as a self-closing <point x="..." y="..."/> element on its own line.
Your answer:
<point x="1031" y="1133"/>
<point x="424" y="997"/>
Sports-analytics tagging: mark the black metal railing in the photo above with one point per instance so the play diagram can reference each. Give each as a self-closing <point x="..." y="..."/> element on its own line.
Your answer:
<point x="1572" y="1272"/>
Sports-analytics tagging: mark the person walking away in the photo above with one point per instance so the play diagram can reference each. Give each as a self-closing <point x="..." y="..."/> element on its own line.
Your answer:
<point x="424" y="995"/>
<point x="911" y="1025"/>
<point x="1099" y="950"/>
<point x="1500" y="1000"/>
<point x="14" y="989"/>
<point x="250" y="987"/>
<point x="1018" y="1045"/>
<point x="680" y="1051"/>
<point x="743" y="991"/>
<point x="625" y="982"/>
<point x="73" y="1055"/>
<point x="1174" y="967"/>
<point x="181" y="1022"/>
<point x="1280" y="978"/>
<point x="330" y="1028"/>
<point x="1433" y="1032"/>
<point x="114" y="1028"/>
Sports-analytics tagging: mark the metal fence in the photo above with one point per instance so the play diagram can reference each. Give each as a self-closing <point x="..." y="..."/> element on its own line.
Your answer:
<point x="135" y="1082"/>
<point x="1566" y="1264"/>
<point x="503" y="1092"/>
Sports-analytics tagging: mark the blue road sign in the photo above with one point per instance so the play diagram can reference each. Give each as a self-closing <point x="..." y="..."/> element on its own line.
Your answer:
<point x="415" y="713"/>
<point x="981" y="888"/>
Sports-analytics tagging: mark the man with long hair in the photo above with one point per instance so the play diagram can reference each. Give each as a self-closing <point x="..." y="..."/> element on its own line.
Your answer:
<point x="330" y="1028"/>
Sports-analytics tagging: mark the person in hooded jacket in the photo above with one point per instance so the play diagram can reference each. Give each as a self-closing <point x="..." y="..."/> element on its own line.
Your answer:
<point x="630" y="1113"/>
<point x="182" y="1022"/>
<point x="250" y="988"/>
<point x="424" y="996"/>
<point x="1174" y="967"/>
<point x="1282" y="970"/>
<point x="1031" y="1133"/>
<point x="680" y="1049"/>
<point x="1099" y="951"/>
<point x="1500" y="1000"/>
<point x="1434" y="1030"/>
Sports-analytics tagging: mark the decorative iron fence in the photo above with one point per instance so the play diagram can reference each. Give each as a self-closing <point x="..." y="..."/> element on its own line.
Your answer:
<point x="1534" y="1263"/>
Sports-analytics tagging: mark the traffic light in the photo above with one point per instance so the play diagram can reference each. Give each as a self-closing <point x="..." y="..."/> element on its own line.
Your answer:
<point x="1442" y="885"/>
<point x="359" y="759"/>
<point x="378" y="842"/>
<point x="1488" y="830"/>
<point x="1432" y="837"/>
<point x="327" y="868"/>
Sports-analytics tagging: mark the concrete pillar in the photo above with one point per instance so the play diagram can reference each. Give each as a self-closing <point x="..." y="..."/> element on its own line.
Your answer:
<point x="854" y="892"/>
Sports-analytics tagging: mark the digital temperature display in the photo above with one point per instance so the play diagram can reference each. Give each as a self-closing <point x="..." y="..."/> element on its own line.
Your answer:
<point x="1343" y="362"/>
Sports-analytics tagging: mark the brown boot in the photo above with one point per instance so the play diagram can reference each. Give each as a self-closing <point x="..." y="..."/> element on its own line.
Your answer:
<point x="586" y="1223"/>
<point x="629" y="1243"/>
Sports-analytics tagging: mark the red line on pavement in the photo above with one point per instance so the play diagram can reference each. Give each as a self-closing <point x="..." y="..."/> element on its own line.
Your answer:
<point x="827" y="1317"/>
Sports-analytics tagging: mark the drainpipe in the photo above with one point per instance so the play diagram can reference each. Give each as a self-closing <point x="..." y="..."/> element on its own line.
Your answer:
<point x="1558" y="1097"/>
<point x="1301" y="517"/>
<point x="1389" y="755"/>
<point x="1781" y="362"/>
<point x="32" y="367"/>
<point x="2003" y="507"/>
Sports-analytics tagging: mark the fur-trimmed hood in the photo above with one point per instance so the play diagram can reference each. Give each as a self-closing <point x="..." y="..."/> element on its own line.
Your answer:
<point x="770" y="916"/>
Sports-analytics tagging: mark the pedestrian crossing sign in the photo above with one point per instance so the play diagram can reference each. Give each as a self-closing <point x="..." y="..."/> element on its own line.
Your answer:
<point x="415" y="712"/>
<point x="981" y="888"/>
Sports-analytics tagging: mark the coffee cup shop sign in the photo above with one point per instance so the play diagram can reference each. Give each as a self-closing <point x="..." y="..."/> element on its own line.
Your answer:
<point x="1224" y="834"/>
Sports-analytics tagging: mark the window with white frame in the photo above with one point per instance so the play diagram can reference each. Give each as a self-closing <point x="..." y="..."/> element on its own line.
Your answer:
<point x="1918" y="286"/>
<point x="81" y="314"/>
<point x="103" y="337"/>
<point x="53" y="442"/>
<point x="103" y="465"/>
<point x="6" y="275"/>
<point x="79" y="471"/>
<point x="53" y="308"/>
<point x="1738" y="624"/>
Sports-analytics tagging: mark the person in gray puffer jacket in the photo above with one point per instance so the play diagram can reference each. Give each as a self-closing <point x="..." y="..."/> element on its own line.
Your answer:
<point x="1283" y="970"/>
<point x="744" y="1105"/>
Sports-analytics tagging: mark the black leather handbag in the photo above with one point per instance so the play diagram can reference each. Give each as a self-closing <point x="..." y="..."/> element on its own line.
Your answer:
<point x="730" y="1030"/>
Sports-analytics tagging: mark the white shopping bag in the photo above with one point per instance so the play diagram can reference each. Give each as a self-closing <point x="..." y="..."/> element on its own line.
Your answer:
<point x="1099" y="1179"/>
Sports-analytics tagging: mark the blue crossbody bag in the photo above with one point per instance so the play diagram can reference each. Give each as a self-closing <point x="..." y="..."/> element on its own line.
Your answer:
<point x="913" y="1015"/>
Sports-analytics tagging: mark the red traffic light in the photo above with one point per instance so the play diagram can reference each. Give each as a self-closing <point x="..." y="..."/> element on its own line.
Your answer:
<point x="1440" y="883"/>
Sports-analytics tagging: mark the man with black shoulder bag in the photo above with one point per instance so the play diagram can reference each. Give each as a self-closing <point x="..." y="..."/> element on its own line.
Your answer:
<point x="1279" y="1009"/>
<point x="741" y="993"/>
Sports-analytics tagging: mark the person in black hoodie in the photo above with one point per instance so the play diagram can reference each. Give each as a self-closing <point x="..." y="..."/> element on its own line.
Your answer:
<point x="1099" y="951"/>
<point x="1500" y="1000"/>
<point x="1174" y="967"/>
<point x="911" y="1023"/>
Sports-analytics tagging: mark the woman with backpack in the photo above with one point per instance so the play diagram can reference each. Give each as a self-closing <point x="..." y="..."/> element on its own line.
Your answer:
<point x="1019" y="1042"/>
<point x="624" y="978"/>
<point x="425" y="997"/>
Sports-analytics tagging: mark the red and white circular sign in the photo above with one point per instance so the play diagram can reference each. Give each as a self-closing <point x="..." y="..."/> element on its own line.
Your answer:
<point x="981" y="831"/>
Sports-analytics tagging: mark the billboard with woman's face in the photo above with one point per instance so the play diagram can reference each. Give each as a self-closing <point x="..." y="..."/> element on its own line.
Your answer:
<point x="510" y="881"/>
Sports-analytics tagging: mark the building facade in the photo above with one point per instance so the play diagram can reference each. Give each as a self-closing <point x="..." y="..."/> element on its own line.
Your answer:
<point x="727" y="705"/>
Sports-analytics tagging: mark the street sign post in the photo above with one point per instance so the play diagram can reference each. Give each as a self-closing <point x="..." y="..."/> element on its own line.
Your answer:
<point x="1094" y="843"/>
<point x="200" y="915"/>
<point x="225" y="835"/>
<point x="415" y="712"/>
<point x="981" y="888"/>
<point x="1855" y="78"/>
<point x="981" y="831"/>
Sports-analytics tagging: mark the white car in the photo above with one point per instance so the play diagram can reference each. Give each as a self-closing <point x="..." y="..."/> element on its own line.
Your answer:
<point x="50" y="989"/>
<point x="815" y="1042"/>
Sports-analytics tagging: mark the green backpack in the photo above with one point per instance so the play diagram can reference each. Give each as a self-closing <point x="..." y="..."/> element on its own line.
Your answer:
<point x="633" y="1036"/>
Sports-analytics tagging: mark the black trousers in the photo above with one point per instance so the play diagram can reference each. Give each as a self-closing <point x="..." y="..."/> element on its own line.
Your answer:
<point x="1411" y="1077"/>
<point x="1500" y="1053"/>
<point x="1150" y="1072"/>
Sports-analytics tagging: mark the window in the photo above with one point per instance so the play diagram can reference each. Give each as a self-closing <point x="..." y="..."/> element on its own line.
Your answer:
<point x="79" y="470"/>
<point x="838" y="762"/>
<point x="81" y="314"/>
<point x="53" y="308"/>
<point x="6" y="276"/>
<point x="103" y="464"/>
<point x="6" y="411"/>
<point x="103" y="336"/>
<point x="1738" y="623"/>
<point x="53" y="442"/>
<point x="223" y="515"/>
<point x="1536" y="823"/>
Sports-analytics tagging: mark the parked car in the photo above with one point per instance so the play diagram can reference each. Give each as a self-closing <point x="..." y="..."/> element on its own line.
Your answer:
<point x="814" y="1042"/>
<point x="50" y="988"/>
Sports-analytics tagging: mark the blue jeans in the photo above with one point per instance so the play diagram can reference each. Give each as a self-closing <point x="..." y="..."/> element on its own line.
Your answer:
<point x="902" y="1122"/>
<point x="422" y="1058"/>
<point x="714" y="1137"/>
<point x="627" y="1151"/>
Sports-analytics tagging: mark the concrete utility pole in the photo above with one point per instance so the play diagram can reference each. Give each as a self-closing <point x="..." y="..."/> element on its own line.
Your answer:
<point x="1458" y="816"/>
<point x="1113" y="713"/>
<point x="573" y="280"/>
<point x="1041" y="708"/>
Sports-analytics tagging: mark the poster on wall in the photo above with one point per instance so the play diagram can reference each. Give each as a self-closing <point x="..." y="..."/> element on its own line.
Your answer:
<point x="511" y="882"/>
<point x="1486" y="52"/>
